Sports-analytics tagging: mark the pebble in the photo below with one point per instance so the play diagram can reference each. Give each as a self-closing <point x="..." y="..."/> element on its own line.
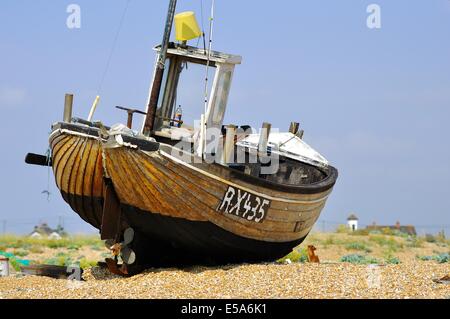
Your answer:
<point x="293" y="281"/>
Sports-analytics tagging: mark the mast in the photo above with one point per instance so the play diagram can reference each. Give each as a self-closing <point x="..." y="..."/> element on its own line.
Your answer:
<point x="159" y="74"/>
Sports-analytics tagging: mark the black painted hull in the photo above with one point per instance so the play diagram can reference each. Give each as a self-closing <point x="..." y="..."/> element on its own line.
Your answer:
<point x="177" y="241"/>
<point x="162" y="241"/>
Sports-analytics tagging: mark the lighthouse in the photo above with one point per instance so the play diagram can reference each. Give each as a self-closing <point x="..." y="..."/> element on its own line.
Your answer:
<point x="352" y="222"/>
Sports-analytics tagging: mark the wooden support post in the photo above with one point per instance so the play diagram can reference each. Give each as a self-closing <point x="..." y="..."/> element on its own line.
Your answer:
<point x="228" y="149"/>
<point x="130" y="113"/>
<point x="264" y="138"/>
<point x="68" y="106"/>
<point x="130" y="120"/>
<point x="300" y="134"/>
<point x="111" y="213"/>
<point x="294" y="128"/>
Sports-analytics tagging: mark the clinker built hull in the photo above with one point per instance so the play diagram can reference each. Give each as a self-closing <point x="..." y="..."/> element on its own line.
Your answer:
<point x="180" y="209"/>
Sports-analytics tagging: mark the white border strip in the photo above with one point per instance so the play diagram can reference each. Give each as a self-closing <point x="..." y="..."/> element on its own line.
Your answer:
<point x="68" y="132"/>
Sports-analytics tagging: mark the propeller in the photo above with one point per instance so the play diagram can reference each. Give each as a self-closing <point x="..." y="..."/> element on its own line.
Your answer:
<point x="126" y="253"/>
<point x="128" y="236"/>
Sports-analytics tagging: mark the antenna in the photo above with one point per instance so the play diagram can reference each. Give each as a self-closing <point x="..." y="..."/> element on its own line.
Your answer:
<point x="204" y="118"/>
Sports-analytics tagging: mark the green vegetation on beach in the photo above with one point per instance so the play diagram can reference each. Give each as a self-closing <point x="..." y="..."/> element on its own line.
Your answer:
<point x="23" y="242"/>
<point x="23" y="251"/>
<point x="360" y="248"/>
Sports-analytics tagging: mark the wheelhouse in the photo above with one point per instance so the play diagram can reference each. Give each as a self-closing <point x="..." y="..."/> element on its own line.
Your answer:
<point x="169" y="124"/>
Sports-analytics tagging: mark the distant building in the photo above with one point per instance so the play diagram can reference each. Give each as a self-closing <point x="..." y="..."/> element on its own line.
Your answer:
<point x="45" y="231"/>
<point x="352" y="222"/>
<point x="409" y="229"/>
<point x="36" y="235"/>
<point x="55" y="236"/>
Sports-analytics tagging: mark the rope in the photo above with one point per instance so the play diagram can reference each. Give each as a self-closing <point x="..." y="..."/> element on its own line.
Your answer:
<point x="113" y="48"/>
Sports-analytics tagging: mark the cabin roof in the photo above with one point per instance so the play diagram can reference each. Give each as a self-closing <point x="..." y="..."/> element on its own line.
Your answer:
<point x="201" y="55"/>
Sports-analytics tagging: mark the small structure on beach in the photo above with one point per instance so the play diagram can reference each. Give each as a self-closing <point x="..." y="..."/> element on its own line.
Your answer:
<point x="44" y="231"/>
<point x="4" y="266"/>
<point x="407" y="229"/>
<point x="352" y="222"/>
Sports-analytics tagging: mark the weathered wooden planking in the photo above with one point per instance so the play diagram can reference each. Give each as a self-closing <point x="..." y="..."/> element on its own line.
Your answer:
<point x="57" y="141"/>
<point x="170" y="185"/>
<point x="297" y="212"/>
<point x="229" y="174"/>
<point x="79" y="180"/>
<point x="127" y="164"/>
<point x="75" y="175"/>
<point x="295" y="216"/>
<point x="60" y="160"/>
<point x="127" y="176"/>
<point x="188" y="181"/>
<point x="225" y="175"/>
<point x="217" y="189"/>
<point x="169" y="188"/>
<point x="68" y="167"/>
<point x="122" y="170"/>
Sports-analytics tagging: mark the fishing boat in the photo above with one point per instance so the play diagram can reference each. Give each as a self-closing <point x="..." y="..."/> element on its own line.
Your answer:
<point x="173" y="194"/>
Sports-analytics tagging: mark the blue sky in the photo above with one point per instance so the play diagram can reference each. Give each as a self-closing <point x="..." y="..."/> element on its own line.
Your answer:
<point x="375" y="102"/>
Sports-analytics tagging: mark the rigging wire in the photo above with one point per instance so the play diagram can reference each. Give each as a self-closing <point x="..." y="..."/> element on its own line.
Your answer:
<point x="203" y="27"/>
<point x="113" y="47"/>
<point x="210" y="41"/>
<point x="204" y="119"/>
<point x="102" y="80"/>
<point x="202" y="16"/>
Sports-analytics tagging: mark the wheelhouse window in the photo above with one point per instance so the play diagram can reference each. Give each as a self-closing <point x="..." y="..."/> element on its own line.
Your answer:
<point x="222" y="98"/>
<point x="219" y="95"/>
<point x="182" y="102"/>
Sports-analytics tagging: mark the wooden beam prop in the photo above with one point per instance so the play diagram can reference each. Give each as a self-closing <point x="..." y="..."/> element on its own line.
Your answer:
<point x="111" y="213"/>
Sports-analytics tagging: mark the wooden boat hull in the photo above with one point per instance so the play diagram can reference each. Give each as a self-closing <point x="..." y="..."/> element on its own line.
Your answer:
<point x="178" y="209"/>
